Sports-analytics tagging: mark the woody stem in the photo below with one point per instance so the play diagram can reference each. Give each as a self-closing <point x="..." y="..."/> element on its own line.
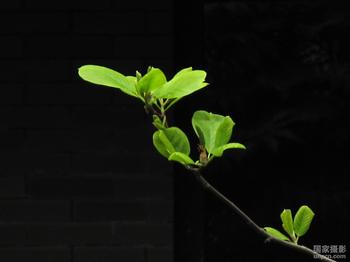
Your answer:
<point x="260" y="231"/>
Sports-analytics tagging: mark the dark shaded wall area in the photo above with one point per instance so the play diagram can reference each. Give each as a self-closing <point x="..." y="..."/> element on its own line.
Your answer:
<point x="78" y="175"/>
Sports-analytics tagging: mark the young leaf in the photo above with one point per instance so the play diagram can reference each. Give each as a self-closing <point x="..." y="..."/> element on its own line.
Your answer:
<point x="287" y="223"/>
<point x="181" y="158"/>
<point x="170" y="140"/>
<point x="224" y="132"/>
<point x="162" y="144"/>
<point x="185" y="70"/>
<point x="138" y="76"/>
<point x="107" y="77"/>
<point x="212" y="130"/>
<point x="302" y="220"/>
<point x="182" y="84"/>
<point x="275" y="233"/>
<point x="151" y="81"/>
<point x="220" y="150"/>
<point x="157" y="122"/>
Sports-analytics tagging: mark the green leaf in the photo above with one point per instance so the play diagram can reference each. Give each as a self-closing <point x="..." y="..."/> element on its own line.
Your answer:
<point x="132" y="79"/>
<point x="302" y="220"/>
<point x="181" y="158"/>
<point x="171" y="140"/>
<point x="164" y="146"/>
<point x="220" y="150"/>
<point x="107" y="77"/>
<point x="182" y="84"/>
<point x="182" y="71"/>
<point x="287" y="223"/>
<point x="151" y="81"/>
<point x="275" y="233"/>
<point x="157" y="122"/>
<point x="213" y="130"/>
<point x="138" y="76"/>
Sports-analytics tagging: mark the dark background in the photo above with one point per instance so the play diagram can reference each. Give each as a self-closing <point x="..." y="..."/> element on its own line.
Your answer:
<point x="78" y="180"/>
<point x="280" y="69"/>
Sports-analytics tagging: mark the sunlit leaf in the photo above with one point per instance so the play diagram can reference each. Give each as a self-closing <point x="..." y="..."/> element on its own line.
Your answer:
<point x="162" y="144"/>
<point x="220" y="150"/>
<point x="181" y="158"/>
<point x="212" y="130"/>
<point x="302" y="220"/>
<point x="157" y="122"/>
<point x="182" y="84"/>
<point x="154" y="79"/>
<point x="171" y="140"/>
<point x="287" y="222"/>
<point x="107" y="77"/>
<point x="182" y="71"/>
<point x="275" y="233"/>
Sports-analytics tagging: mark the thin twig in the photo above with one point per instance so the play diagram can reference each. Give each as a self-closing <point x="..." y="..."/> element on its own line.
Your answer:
<point x="268" y="238"/>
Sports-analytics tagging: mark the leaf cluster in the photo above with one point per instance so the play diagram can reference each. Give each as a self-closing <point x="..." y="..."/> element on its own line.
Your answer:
<point x="151" y="88"/>
<point x="158" y="95"/>
<point x="295" y="228"/>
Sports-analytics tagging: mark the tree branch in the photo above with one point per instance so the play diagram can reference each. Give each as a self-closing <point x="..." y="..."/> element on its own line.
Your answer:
<point x="268" y="238"/>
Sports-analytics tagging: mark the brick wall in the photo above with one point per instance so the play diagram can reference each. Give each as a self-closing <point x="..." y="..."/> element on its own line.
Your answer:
<point x="78" y="176"/>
